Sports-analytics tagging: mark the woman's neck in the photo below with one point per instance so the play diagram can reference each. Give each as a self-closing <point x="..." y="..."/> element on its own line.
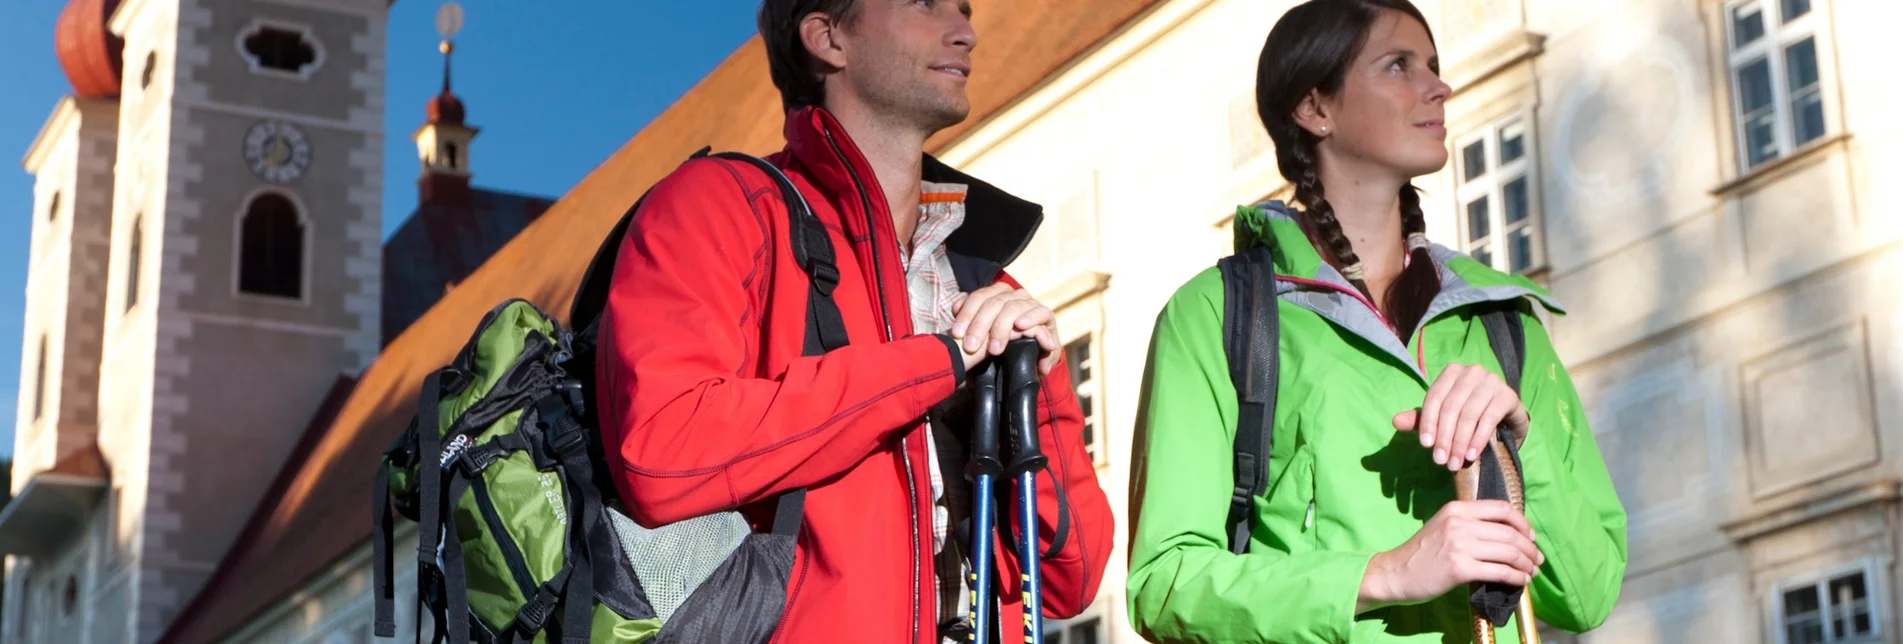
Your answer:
<point x="1370" y="216"/>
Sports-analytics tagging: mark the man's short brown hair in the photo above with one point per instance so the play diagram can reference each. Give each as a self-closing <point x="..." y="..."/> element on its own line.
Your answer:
<point x="795" y="71"/>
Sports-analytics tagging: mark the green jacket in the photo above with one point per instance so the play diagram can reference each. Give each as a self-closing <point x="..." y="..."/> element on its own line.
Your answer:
<point x="1343" y="484"/>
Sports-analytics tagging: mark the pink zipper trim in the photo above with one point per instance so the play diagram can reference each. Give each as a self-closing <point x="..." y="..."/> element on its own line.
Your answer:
<point x="1420" y="352"/>
<point x="1357" y="295"/>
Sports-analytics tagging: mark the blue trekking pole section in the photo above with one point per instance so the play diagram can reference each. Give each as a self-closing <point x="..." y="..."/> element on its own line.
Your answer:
<point x="1020" y="419"/>
<point x="984" y="470"/>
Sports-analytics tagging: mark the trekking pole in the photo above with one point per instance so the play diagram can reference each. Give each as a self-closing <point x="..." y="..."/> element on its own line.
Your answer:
<point x="1467" y="485"/>
<point x="984" y="470"/>
<point x="1020" y="416"/>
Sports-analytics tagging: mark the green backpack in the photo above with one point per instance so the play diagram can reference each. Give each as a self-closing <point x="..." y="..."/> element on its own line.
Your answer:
<point x="520" y="536"/>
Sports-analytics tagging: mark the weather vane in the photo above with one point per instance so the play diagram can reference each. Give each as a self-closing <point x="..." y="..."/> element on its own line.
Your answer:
<point x="449" y="22"/>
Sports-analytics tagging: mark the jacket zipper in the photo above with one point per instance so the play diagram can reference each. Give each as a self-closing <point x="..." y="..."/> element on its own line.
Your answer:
<point x="905" y="450"/>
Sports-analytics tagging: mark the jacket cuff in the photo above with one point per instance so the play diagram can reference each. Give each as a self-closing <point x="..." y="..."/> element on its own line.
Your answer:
<point x="957" y="358"/>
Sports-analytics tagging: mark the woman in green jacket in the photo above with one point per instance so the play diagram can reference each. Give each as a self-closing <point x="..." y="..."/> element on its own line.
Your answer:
<point x="1358" y="537"/>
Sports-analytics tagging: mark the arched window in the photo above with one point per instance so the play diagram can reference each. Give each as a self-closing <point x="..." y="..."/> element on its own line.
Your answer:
<point x="449" y="155"/>
<point x="271" y="248"/>
<point x="132" y="261"/>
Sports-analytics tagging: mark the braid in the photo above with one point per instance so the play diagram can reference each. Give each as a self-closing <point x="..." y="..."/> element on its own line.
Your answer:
<point x="1320" y="216"/>
<point x="1414" y="290"/>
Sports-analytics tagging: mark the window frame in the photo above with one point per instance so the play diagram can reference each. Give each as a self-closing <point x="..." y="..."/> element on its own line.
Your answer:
<point x="1094" y="618"/>
<point x="304" y="260"/>
<point x="1491" y="185"/>
<point x="1097" y="447"/>
<point x="1875" y="597"/>
<point x="1770" y="47"/>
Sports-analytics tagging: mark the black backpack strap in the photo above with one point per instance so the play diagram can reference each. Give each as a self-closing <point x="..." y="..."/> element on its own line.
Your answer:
<point x="1251" y="334"/>
<point x="812" y="250"/>
<point x="429" y="467"/>
<point x="825" y="327"/>
<point x="385" y="610"/>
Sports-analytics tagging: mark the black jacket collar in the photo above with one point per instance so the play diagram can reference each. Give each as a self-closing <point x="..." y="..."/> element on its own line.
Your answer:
<point x="998" y="226"/>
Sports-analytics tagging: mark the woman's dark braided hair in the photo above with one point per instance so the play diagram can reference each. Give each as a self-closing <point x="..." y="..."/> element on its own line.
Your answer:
<point x="1311" y="48"/>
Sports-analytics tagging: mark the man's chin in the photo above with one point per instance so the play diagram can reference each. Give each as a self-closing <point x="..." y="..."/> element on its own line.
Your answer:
<point x="948" y="116"/>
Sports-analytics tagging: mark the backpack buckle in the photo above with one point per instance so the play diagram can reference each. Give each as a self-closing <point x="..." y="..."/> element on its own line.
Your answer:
<point x="825" y="277"/>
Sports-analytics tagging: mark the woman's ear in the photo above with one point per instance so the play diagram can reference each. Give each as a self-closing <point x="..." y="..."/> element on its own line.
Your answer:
<point x="1312" y="115"/>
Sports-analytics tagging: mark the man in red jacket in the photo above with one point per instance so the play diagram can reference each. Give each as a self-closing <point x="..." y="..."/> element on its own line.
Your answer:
<point x="707" y="403"/>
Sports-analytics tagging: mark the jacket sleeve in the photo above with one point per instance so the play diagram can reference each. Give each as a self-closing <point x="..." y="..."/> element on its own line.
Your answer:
<point x="1576" y="517"/>
<point x="1184" y="583"/>
<point x="690" y="431"/>
<point x="1072" y="575"/>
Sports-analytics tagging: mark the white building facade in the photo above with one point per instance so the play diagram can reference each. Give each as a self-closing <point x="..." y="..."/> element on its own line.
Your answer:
<point x="1701" y="182"/>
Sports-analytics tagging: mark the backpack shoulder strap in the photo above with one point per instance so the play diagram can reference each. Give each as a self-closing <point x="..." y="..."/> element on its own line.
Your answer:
<point x="812" y="250"/>
<point x="825" y="328"/>
<point x="1251" y="330"/>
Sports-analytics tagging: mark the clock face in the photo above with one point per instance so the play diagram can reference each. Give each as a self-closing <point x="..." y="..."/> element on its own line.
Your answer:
<point x="277" y="151"/>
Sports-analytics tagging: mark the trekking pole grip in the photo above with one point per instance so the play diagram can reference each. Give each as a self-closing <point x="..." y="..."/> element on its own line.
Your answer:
<point x="1020" y="406"/>
<point x="986" y="417"/>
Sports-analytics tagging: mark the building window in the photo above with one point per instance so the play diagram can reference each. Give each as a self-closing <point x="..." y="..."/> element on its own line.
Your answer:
<point x="1835" y="608"/>
<point x="39" y="382"/>
<point x="1498" y="222"/>
<point x="52" y="208"/>
<point x="1080" y="355"/>
<point x="136" y="239"/>
<point x="1777" y="93"/>
<point x="69" y="598"/>
<point x="1084" y="629"/>
<point x="271" y="248"/>
<point x="449" y="156"/>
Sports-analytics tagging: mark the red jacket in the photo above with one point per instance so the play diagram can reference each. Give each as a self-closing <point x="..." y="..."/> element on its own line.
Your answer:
<point x="707" y="404"/>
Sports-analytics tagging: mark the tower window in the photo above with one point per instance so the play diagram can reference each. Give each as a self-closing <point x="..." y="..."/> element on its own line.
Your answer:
<point x="52" y="208"/>
<point x="271" y="253"/>
<point x="132" y="261"/>
<point x="279" y="49"/>
<point x="449" y="155"/>
<point x="151" y="66"/>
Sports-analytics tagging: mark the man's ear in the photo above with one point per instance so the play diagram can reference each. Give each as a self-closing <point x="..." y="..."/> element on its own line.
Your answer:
<point x="824" y="38"/>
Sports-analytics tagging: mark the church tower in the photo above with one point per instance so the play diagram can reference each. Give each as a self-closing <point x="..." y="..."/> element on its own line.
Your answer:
<point x="233" y="196"/>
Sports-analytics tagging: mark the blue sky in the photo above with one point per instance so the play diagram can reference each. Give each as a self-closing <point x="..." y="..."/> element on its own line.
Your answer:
<point x="554" y="88"/>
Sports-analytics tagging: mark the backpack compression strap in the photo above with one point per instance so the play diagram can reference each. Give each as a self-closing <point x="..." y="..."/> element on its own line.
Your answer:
<point x="1251" y="328"/>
